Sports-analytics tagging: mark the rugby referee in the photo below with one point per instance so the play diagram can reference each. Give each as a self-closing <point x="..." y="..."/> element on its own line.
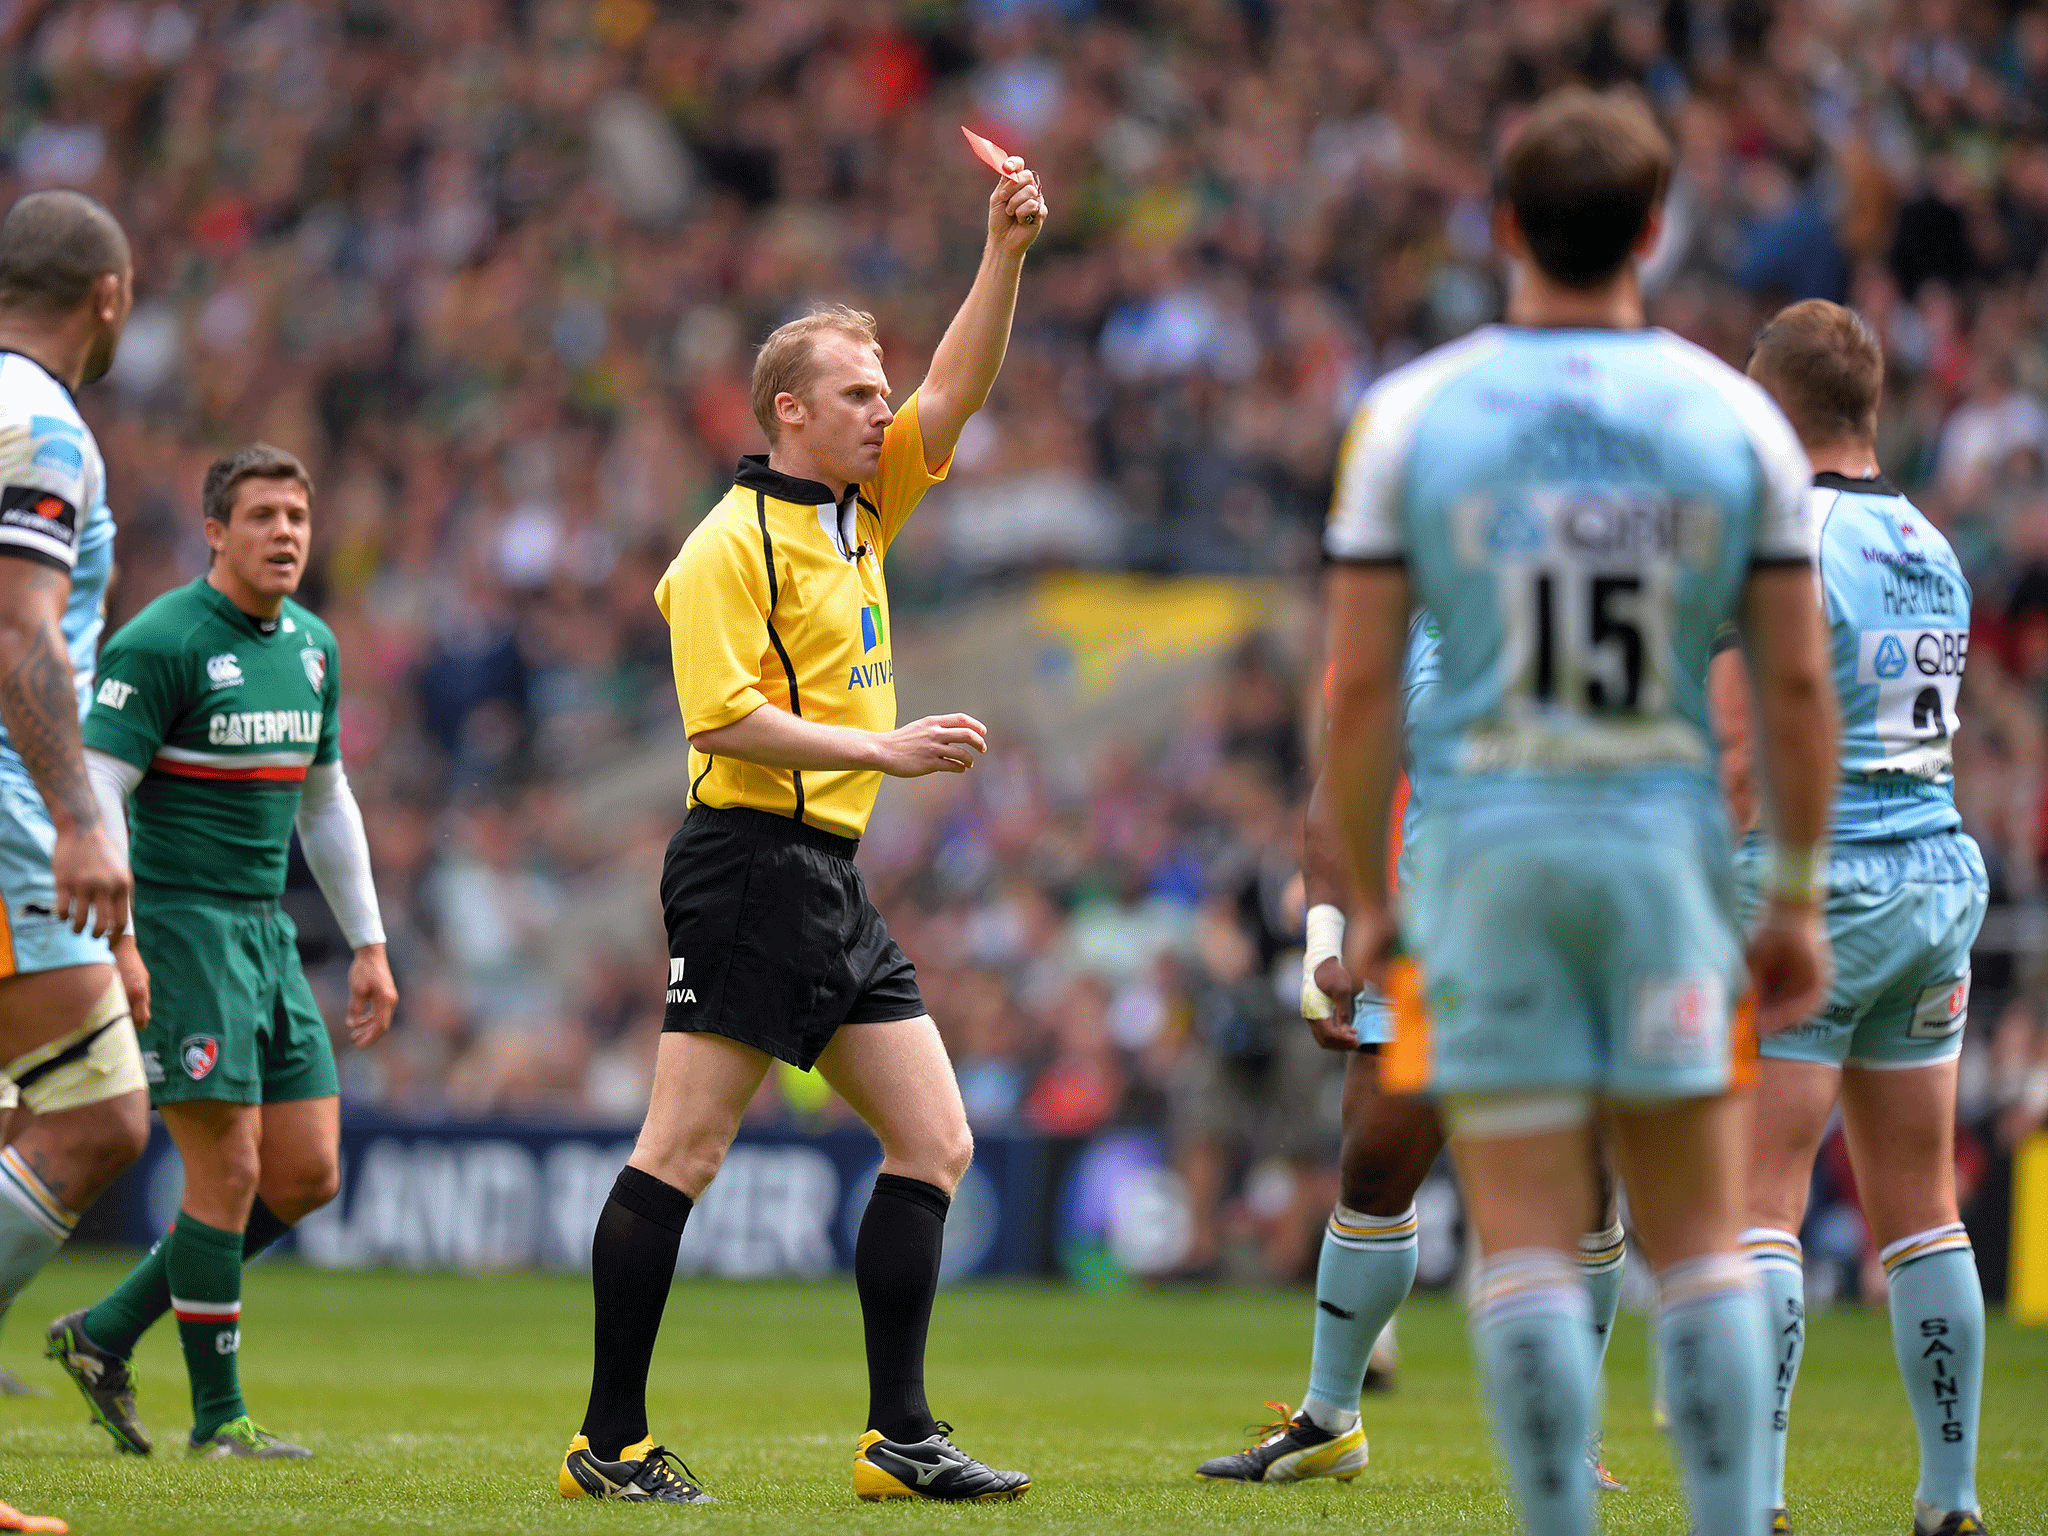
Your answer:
<point x="784" y="672"/>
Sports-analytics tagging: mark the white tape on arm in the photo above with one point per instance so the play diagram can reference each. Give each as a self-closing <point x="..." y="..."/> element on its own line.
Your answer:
<point x="1324" y="941"/>
<point x="113" y="781"/>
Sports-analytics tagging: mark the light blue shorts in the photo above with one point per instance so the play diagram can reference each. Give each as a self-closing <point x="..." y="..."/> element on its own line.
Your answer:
<point x="35" y="939"/>
<point x="1372" y="1019"/>
<point x="1580" y="943"/>
<point x="1372" y="1016"/>
<point x="1902" y="916"/>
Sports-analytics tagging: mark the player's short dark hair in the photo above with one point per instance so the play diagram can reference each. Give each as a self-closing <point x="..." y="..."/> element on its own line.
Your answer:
<point x="1823" y="365"/>
<point x="1583" y="175"/>
<point x="785" y="366"/>
<point x="258" y="461"/>
<point x="53" y="247"/>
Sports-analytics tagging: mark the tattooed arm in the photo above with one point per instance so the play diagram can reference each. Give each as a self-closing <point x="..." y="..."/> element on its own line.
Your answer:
<point x="39" y="704"/>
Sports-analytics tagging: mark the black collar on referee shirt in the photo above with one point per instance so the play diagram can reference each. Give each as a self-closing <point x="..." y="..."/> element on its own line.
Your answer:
<point x="755" y="475"/>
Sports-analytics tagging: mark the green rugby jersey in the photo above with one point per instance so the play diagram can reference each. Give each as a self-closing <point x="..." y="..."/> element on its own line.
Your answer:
<point x="224" y="719"/>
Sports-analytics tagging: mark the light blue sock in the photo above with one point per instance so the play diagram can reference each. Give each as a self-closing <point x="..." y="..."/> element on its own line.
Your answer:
<point x="33" y="1225"/>
<point x="1711" y="1340"/>
<point x="1937" y="1310"/>
<point x="1532" y="1331"/>
<point x="1780" y="1265"/>
<point x="1602" y="1257"/>
<point x="1365" y="1272"/>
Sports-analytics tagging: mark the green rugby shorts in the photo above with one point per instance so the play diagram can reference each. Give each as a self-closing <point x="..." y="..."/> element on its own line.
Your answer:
<point x="231" y="1015"/>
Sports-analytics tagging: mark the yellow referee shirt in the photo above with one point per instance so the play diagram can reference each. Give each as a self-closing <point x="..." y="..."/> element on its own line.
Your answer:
<point x="778" y="598"/>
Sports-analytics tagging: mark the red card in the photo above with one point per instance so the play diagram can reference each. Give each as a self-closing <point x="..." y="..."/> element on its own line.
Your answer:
<point x="992" y="157"/>
<point x="988" y="154"/>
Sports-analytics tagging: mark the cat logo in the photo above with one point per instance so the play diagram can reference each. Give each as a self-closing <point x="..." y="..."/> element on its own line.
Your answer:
<point x="197" y="1054"/>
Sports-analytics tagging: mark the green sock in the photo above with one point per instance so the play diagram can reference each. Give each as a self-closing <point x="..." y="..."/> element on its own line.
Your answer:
<point x="204" y="1265"/>
<point x="131" y="1308"/>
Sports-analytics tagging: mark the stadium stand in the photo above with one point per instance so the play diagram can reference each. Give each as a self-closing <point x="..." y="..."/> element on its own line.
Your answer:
<point x="494" y="268"/>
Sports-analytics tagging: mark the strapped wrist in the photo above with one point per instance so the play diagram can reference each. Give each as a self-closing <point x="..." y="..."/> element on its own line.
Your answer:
<point x="1322" y="936"/>
<point x="1795" y="874"/>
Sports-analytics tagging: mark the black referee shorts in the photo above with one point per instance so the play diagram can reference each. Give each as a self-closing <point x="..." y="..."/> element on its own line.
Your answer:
<point x="772" y="940"/>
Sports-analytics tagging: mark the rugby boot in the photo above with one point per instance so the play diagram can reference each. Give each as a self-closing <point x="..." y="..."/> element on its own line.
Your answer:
<point x="1929" y="1521"/>
<point x="1604" y="1481"/>
<point x="1291" y="1450"/>
<point x="107" y="1381"/>
<point x="242" y="1436"/>
<point x="644" y="1474"/>
<point x="931" y="1468"/>
<point x="12" y="1519"/>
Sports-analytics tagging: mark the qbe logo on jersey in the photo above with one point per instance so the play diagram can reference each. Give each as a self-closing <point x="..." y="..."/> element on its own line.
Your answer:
<point x="1918" y="674"/>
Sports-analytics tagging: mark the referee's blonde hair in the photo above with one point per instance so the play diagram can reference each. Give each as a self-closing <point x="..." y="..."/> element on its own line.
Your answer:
<point x="786" y="363"/>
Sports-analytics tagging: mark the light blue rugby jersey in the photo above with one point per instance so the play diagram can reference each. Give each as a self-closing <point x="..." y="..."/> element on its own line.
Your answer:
<point x="1899" y="619"/>
<point x="53" y="509"/>
<point x="1580" y="510"/>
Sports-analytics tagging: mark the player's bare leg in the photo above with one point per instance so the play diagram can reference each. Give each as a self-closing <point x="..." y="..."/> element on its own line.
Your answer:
<point x="297" y="1149"/>
<point x="1900" y="1127"/>
<point x="74" y="1153"/>
<point x="84" y="1118"/>
<point x="1603" y="1257"/>
<point x="898" y="1079"/>
<point x="299" y="1158"/>
<point x="1365" y="1271"/>
<point x="1683" y="1165"/>
<point x="1789" y="1118"/>
<point x="1390" y="1144"/>
<point x="14" y="1120"/>
<point x="702" y="1086"/>
<point x="221" y="1145"/>
<point x="69" y="1151"/>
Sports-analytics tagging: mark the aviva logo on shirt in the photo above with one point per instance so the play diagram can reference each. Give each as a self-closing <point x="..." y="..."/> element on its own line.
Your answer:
<point x="870" y="674"/>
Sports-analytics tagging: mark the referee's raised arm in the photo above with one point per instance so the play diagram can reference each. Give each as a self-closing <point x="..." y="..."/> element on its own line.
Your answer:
<point x="842" y="473"/>
<point x="970" y="354"/>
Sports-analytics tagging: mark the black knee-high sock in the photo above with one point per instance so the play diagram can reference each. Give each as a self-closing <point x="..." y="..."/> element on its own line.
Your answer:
<point x="896" y="1267"/>
<point x="264" y="1227"/>
<point x="632" y="1265"/>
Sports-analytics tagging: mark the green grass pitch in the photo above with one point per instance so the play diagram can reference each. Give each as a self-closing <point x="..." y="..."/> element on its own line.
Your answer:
<point x="441" y="1403"/>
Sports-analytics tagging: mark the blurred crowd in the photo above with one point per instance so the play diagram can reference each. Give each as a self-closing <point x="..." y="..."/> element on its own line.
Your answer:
<point x="495" y="267"/>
